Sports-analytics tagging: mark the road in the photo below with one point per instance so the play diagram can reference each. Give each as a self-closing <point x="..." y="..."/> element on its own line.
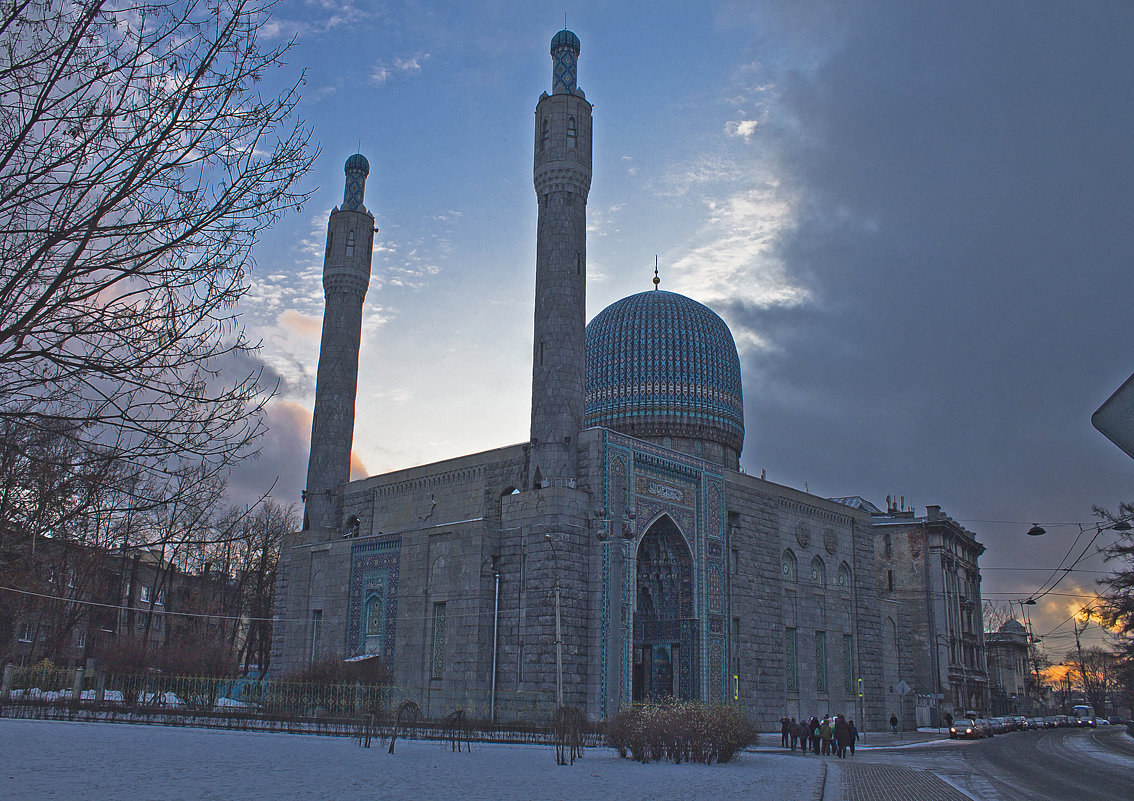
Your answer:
<point x="1046" y="765"/>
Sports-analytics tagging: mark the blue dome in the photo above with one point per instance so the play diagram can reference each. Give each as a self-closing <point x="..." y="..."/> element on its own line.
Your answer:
<point x="565" y="39"/>
<point x="660" y="364"/>
<point x="357" y="162"/>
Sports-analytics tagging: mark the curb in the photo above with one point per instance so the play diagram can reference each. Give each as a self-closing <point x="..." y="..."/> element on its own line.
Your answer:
<point x="822" y="784"/>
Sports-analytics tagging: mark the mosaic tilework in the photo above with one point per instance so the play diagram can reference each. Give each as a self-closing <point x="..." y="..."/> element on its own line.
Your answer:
<point x="357" y="168"/>
<point x="716" y="670"/>
<point x="659" y="363"/>
<point x="690" y="493"/>
<point x="714" y="589"/>
<point x="565" y="54"/>
<point x="375" y="567"/>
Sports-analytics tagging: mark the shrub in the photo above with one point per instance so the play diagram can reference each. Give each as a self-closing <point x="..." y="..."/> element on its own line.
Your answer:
<point x="334" y="670"/>
<point x="685" y="731"/>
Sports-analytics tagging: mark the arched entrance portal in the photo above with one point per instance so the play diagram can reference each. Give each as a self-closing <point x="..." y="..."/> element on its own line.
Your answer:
<point x="665" y="632"/>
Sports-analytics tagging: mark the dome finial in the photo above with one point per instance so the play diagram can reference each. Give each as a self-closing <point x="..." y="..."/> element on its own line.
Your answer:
<point x="656" y="279"/>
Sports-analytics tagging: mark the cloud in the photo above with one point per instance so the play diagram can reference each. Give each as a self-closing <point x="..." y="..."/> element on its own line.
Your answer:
<point x="958" y="180"/>
<point x="742" y="128"/>
<point x="302" y="324"/>
<point x="319" y="17"/>
<point x="382" y="72"/>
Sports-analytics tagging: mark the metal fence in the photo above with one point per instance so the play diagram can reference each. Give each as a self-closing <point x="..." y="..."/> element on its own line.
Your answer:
<point x="280" y="706"/>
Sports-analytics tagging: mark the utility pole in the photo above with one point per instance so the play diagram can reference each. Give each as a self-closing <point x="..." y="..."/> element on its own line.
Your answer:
<point x="1079" y="648"/>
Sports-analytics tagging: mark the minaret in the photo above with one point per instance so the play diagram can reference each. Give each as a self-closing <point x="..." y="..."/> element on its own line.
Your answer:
<point x="562" y="182"/>
<point x="346" y="275"/>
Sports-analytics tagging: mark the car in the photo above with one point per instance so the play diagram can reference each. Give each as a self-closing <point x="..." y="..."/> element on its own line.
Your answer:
<point x="1049" y="722"/>
<point x="1102" y="722"/>
<point x="966" y="729"/>
<point x="1119" y="721"/>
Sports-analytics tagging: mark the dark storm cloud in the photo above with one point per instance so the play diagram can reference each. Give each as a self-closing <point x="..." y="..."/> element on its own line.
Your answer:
<point x="280" y="465"/>
<point x="964" y="182"/>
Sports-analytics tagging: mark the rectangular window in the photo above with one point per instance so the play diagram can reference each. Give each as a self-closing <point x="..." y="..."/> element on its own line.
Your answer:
<point x="144" y="593"/>
<point x="890" y="580"/>
<point x="316" y="632"/>
<point x="821" y="661"/>
<point x="848" y="665"/>
<point x="143" y="618"/>
<point x="437" y="664"/>
<point x="80" y="639"/>
<point x="791" y="661"/>
<point x="25" y="632"/>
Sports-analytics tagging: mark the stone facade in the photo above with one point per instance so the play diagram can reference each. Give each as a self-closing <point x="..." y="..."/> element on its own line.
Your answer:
<point x="623" y="561"/>
<point x="1008" y="668"/>
<point x="927" y="566"/>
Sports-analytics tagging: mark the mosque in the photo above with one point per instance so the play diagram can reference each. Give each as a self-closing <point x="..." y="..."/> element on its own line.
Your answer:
<point x="618" y="555"/>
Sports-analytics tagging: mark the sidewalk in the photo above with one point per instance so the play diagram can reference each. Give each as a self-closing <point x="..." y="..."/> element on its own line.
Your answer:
<point x="768" y="742"/>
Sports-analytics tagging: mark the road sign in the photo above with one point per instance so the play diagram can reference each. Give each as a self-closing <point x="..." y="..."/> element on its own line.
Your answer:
<point x="1115" y="418"/>
<point x="901" y="688"/>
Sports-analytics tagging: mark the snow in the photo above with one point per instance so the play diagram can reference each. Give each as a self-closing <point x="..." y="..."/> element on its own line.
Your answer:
<point x="74" y="761"/>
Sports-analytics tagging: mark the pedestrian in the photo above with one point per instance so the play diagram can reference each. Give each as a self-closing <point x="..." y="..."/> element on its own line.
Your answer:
<point x="853" y="737"/>
<point x="893" y="723"/>
<point x="948" y="720"/>
<point x="814" y="724"/>
<point x="793" y="734"/>
<point x="803" y="734"/>
<point x="842" y="737"/>
<point x="784" y="732"/>
<point x="826" y="734"/>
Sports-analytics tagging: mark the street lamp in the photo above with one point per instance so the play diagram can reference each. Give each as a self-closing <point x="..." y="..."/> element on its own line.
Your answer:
<point x="1036" y="530"/>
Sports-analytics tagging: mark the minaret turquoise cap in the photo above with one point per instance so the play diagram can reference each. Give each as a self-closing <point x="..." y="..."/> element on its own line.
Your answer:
<point x="564" y="58"/>
<point x="357" y="168"/>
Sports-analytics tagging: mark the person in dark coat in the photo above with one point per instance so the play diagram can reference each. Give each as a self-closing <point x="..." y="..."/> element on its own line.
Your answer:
<point x="842" y="737"/>
<point x="893" y="723"/>
<point x="784" y="732"/>
<point x="853" y="736"/>
<point x="804" y="735"/>
<point x="793" y="733"/>
<point x="814" y="728"/>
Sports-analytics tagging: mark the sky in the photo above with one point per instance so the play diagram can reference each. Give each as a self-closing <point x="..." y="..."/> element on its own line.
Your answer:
<point x="916" y="218"/>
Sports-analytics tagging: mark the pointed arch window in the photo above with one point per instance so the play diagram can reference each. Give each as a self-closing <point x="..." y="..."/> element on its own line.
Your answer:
<point x="545" y="134"/>
<point x="788" y="565"/>
<point x="844" y="579"/>
<point x="818" y="571"/>
<point x="572" y="132"/>
<point x="350" y="243"/>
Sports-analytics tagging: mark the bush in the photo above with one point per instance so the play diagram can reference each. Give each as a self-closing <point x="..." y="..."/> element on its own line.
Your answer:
<point x="334" y="670"/>
<point x="685" y="731"/>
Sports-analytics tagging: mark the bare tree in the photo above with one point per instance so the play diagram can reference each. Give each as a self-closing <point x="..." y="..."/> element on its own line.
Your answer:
<point x="138" y="163"/>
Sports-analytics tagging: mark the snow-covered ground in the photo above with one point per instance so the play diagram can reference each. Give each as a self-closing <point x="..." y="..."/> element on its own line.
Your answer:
<point x="73" y="761"/>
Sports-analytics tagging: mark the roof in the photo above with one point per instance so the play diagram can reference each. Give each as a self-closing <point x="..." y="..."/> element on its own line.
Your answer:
<point x="662" y="364"/>
<point x="858" y="502"/>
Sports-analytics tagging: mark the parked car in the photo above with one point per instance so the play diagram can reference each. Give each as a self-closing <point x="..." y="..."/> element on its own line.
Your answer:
<point x="968" y="729"/>
<point x="1049" y="722"/>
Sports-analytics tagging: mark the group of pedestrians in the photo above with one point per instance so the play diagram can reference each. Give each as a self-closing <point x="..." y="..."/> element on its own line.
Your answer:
<point x="824" y="736"/>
